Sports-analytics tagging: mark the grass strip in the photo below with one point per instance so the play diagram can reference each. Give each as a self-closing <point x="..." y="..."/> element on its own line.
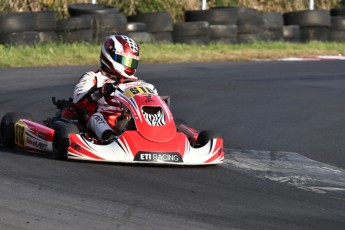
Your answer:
<point x="57" y="54"/>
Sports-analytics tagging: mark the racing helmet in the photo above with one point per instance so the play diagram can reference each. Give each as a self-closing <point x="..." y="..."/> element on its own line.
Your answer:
<point x="120" y="57"/>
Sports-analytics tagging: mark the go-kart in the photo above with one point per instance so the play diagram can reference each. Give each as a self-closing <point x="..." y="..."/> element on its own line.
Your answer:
<point x="146" y="133"/>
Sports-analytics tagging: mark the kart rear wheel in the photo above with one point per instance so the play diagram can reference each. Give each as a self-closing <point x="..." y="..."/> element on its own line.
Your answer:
<point x="61" y="138"/>
<point x="205" y="136"/>
<point x="7" y="127"/>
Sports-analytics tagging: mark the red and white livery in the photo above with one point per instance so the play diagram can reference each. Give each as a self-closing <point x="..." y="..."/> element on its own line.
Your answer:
<point x="149" y="134"/>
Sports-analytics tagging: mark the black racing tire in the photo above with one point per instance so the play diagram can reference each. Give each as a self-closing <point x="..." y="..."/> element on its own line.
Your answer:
<point x="136" y="27"/>
<point x="308" y="18"/>
<point x="61" y="139"/>
<point x="155" y="21"/>
<point x="223" y="32"/>
<point x="85" y="8"/>
<point x="74" y="23"/>
<point x="109" y="22"/>
<point x="338" y="12"/>
<point x="7" y="132"/>
<point x="162" y="37"/>
<point x="337" y="36"/>
<point x="249" y="21"/>
<point x="292" y="33"/>
<point x="20" y="38"/>
<point x="338" y="23"/>
<point x="44" y="21"/>
<point x="140" y="37"/>
<point x="73" y="36"/>
<point x="215" y="16"/>
<point x="273" y="21"/>
<point x="250" y="27"/>
<point x="245" y="14"/>
<point x="16" y="22"/>
<point x="314" y="33"/>
<point x="205" y="136"/>
<point x="186" y="29"/>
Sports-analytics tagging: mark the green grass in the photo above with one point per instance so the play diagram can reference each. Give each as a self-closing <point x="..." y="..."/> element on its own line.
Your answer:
<point x="55" y="54"/>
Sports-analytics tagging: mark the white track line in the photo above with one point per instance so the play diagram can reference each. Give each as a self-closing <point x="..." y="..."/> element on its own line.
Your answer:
<point x="289" y="168"/>
<point x="313" y="58"/>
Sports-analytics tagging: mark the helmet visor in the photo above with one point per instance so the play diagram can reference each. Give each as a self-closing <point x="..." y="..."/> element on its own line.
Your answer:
<point x="126" y="60"/>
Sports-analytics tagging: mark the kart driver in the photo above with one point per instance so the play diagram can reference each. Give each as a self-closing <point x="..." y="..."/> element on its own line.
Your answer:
<point x="119" y="60"/>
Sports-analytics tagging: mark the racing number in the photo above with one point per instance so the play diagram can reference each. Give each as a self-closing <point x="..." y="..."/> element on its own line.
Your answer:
<point x="141" y="89"/>
<point x="19" y="135"/>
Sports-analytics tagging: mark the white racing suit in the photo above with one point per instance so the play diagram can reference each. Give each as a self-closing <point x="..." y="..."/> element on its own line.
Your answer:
<point x="102" y="115"/>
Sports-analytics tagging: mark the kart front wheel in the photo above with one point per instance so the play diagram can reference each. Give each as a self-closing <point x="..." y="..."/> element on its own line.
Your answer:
<point x="205" y="136"/>
<point x="61" y="138"/>
<point x="7" y="130"/>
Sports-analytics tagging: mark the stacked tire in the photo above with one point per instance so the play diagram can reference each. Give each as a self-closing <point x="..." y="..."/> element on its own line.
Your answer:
<point x="250" y="25"/>
<point x="159" y="24"/>
<point x="273" y="23"/>
<point x="192" y="32"/>
<point x="103" y="21"/>
<point x="105" y="25"/>
<point x="337" y="30"/>
<point x="292" y="33"/>
<point x="138" y="32"/>
<point x="314" y="24"/>
<point x="74" y="29"/>
<point x="222" y="23"/>
<point x="18" y="28"/>
<point x="45" y="25"/>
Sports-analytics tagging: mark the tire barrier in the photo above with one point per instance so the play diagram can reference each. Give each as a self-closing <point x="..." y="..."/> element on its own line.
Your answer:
<point x="105" y="20"/>
<point x="214" y="16"/>
<point x="250" y="25"/>
<point x="47" y="36"/>
<point x="292" y="33"/>
<point x="104" y="25"/>
<point x="45" y="25"/>
<point x="17" y="28"/>
<point x="157" y="23"/>
<point x="20" y="38"/>
<point x="27" y="28"/>
<point x="222" y="24"/>
<point x="75" y="29"/>
<point x="319" y="33"/>
<point x="136" y="27"/>
<point x="192" y="32"/>
<point x="93" y="23"/>
<point x="223" y="33"/>
<point x="138" y="32"/>
<point x="87" y="9"/>
<point x="337" y="30"/>
<point x="273" y="24"/>
<point x="337" y="12"/>
<point x="16" y="22"/>
<point x="314" y="24"/>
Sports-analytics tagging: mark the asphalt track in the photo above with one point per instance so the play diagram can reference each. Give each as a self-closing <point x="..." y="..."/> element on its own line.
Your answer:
<point x="284" y="128"/>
